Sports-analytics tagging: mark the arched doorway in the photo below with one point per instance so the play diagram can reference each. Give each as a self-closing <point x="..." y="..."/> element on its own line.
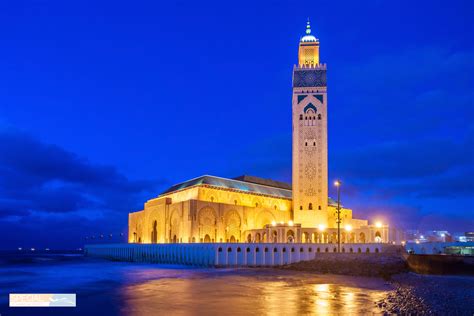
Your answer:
<point x="352" y="238"/>
<point x="264" y="238"/>
<point x="134" y="237"/>
<point x="232" y="238"/>
<point x="154" y="233"/>
<point x="362" y="238"/>
<point x="257" y="237"/>
<point x="290" y="236"/>
<point x="249" y="238"/>
<point x="207" y="238"/>
<point x="174" y="239"/>
<point x="333" y="238"/>
<point x="378" y="236"/>
<point x="274" y="236"/>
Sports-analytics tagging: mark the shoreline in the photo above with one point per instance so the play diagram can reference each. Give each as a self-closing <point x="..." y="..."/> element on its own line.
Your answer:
<point x="419" y="294"/>
<point x="429" y="295"/>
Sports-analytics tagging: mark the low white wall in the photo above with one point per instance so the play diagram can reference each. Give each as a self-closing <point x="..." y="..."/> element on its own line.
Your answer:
<point x="222" y="254"/>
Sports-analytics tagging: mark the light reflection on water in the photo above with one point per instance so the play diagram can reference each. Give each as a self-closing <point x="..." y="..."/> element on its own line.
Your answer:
<point x="258" y="292"/>
<point x="118" y="288"/>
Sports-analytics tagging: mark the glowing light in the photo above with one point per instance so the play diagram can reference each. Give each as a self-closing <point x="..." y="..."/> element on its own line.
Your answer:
<point x="422" y="237"/>
<point x="348" y="228"/>
<point x="20" y="249"/>
<point x="443" y="235"/>
<point x="282" y="222"/>
<point x="290" y="223"/>
<point x="337" y="183"/>
<point x="33" y="249"/>
<point x="321" y="227"/>
<point x="378" y="224"/>
<point x="417" y="241"/>
<point x="273" y="223"/>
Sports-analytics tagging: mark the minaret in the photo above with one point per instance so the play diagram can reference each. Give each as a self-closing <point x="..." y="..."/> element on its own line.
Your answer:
<point x="310" y="147"/>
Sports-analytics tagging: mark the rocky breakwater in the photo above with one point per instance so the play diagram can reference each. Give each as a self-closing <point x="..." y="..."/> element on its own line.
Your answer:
<point x="416" y="294"/>
<point x="359" y="264"/>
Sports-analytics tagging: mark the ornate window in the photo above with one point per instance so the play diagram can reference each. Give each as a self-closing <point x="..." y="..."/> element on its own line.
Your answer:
<point x="310" y="206"/>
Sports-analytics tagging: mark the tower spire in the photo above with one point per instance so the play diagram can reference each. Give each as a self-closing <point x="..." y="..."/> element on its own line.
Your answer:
<point x="308" y="27"/>
<point x="308" y="53"/>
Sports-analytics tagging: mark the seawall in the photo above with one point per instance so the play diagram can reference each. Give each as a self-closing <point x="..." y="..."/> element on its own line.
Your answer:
<point x="225" y="254"/>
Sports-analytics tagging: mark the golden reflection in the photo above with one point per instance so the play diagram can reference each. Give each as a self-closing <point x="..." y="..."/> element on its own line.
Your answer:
<point x="251" y="292"/>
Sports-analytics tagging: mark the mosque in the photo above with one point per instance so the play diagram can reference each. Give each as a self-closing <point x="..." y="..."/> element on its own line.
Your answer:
<point x="210" y="209"/>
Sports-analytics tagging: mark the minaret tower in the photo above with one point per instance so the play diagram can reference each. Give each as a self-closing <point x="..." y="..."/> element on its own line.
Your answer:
<point x="310" y="146"/>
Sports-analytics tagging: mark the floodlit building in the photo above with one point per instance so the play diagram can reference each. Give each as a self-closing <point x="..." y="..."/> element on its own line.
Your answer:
<point x="250" y="209"/>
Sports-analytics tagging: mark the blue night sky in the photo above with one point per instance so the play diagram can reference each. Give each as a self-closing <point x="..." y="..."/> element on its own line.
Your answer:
<point x="104" y="105"/>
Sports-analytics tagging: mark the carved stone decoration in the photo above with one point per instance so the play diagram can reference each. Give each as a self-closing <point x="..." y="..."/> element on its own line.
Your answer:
<point x="309" y="78"/>
<point x="310" y="191"/>
<point x="207" y="216"/>
<point x="310" y="171"/>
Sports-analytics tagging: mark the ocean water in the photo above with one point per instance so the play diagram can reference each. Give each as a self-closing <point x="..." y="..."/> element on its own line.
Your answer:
<point x="119" y="288"/>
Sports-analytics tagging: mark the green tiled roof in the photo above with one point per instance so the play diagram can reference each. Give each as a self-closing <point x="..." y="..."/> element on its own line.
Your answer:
<point x="244" y="186"/>
<point x="231" y="184"/>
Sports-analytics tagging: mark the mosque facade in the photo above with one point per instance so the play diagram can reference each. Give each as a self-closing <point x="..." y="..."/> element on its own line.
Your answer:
<point x="211" y="209"/>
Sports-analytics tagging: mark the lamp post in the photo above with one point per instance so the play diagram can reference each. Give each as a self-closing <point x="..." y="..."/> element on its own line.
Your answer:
<point x="337" y="183"/>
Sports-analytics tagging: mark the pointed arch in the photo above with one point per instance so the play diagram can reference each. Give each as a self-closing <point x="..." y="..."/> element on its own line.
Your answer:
<point x="308" y="107"/>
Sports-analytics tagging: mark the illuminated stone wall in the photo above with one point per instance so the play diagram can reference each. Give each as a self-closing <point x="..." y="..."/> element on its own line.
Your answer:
<point x="220" y="215"/>
<point x="205" y="214"/>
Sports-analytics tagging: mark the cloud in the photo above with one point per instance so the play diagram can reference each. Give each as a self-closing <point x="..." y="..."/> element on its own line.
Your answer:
<point x="422" y="168"/>
<point x="38" y="177"/>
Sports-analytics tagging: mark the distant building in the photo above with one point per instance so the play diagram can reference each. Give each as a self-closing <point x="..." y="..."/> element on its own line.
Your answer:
<point x="249" y="209"/>
<point x="435" y="248"/>
<point x="415" y="236"/>
<point x="468" y="237"/>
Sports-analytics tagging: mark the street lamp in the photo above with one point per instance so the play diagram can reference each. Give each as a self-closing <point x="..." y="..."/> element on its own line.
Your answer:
<point x="337" y="183"/>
